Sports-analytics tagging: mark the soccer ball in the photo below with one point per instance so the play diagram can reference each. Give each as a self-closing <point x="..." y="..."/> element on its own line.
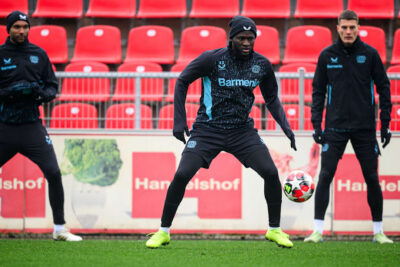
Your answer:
<point x="298" y="186"/>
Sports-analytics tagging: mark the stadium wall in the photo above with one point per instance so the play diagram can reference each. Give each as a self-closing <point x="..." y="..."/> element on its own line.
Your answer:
<point x="123" y="188"/>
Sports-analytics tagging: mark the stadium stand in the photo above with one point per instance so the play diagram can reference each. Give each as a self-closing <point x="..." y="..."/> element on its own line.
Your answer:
<point x="290" y="87"/>
<point x="292" y="114"/>
<point x="151" y="89"/>
<point x="74" y="116"/>
<point x="150" y="44"/>
<point x="53" y="39"/>
<point x="376" y="38"/>
<point x="395" y="122"/>
<point x="41" y="115"/>
<point x="372" y="9"/>
<point x="394" y="84"/>
<point x="123" y="116"/>
<point x="258" y="96"/>
<point x="266" y="8"/>
<point x="396" y="48"/>
<point x="305" y="43"/>
<point x="162" y="9"/>
<point x="58" y="9"/>
<point x="8" y="6"/>
<point x="255" y="113"/>
<point x="318" y="9"/>
<point x="166" y="116"/>
<point x="214" y="8"/>
<point x="197" y="39"/>
<point x="194" y="91"/>
<point x="267" y="43"/>
<point x="111" y="9"/>
<point x="3" y="34"/>
<point x="85" y="89"/>
<point x="100" y="43"/>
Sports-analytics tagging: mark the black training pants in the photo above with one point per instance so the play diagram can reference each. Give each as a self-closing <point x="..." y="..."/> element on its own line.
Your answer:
<point x="367" y="151"/>
<point x="260" y="161"/>
<point x="32" y="141"/>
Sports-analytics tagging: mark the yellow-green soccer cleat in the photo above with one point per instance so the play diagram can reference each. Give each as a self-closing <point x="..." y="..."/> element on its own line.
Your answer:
<point x="315" y="237"/>
<point x="157" y="239"/>
<point x="279" y="237"/>
<point x="381" y="238"/>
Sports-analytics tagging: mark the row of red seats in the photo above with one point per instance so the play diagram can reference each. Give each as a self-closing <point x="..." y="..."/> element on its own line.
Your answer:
<point x="156" y="43"/>
<point x="123" y="116"/>
<point x="201" y="8"/>
<point x="152" y="89"/>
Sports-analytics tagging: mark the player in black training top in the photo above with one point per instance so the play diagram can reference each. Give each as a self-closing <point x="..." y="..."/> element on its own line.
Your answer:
<point x="229" y="76"/>
<point x="26" y="80"/>
<point x="346" y="73"/>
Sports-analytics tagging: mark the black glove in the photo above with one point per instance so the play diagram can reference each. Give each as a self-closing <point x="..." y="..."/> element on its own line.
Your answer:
<point x="293" y="142"/>
<point x="180" y="135"/>
<point x="318" y="136"/>
<point x="385" y="136"/>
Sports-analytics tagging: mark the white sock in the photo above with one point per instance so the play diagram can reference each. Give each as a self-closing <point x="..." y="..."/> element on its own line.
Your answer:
<point x="273" y="228"/>
<point x="165" y="229"/>
<point x="319" y="226"/>
<point x="58" y="228"/>
<point x="377" y="227"/>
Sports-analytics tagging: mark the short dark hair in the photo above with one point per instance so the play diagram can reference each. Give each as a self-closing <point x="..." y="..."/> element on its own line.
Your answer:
<point x="348" y="15"/>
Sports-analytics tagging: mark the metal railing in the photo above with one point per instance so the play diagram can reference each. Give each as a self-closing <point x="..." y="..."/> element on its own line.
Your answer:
<point x="102" y="90"/>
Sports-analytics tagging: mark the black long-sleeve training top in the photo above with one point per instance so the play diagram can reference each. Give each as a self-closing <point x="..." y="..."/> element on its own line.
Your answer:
<point x="347" y="76"/>
<point x="26" y="79"/>
<point x="227" y="90"/>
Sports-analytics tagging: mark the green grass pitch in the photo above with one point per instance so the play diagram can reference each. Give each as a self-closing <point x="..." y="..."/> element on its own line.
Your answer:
<point x="28" y="252"/>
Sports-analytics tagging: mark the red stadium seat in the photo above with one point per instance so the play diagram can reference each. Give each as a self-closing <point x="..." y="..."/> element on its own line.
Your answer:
<point x="8" y="6"/>
<point x="151" y="44"/>
<point x="305" y="43"/>
<point x="151" y="89"/>
<point x="292" y="114"/>
<point x="394" y="84"/>
<point x="74" y="116"/>
<point x="111" y="9"/>
<point x="290" y="87"/>
<point x="197" y="39"/>
<point x="162" y="9"/>
<point x="267" y="43"/>
<point x="318" y="9"/>
<point x="53" y="39"/>
<point x="41" y="115"/>
<point x="123" y="116"/>
<point x="259" y="99"/>
<point x="214" y="8"/>
<point x="255" y="113"/>
<point x="376" y="38"/>
<point x="396" y="48"/>
<point x="100" y="43"/>
<point x="395" y="119"/>
<point x="166" y="116"/>
<point x="85" y="89"/>
<point x="266" y="8"/>
<point x="395" y="122"/>
<point x="59" y="9"/>
<point x="194" y="91"/>
<point x="3" y="34"/>
<point x="372" y="9"/>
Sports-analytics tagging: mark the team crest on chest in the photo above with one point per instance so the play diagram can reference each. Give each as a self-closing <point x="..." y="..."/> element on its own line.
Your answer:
<point x="255" y="69"/>
<point x="361" y="59"/>
<point x="34" y="59"/>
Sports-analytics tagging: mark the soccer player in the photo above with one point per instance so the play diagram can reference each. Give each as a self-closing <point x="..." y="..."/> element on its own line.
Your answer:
<point x="229" y="76"/>
<point x="26" y="80"/>
<point x="346" y="72"/>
